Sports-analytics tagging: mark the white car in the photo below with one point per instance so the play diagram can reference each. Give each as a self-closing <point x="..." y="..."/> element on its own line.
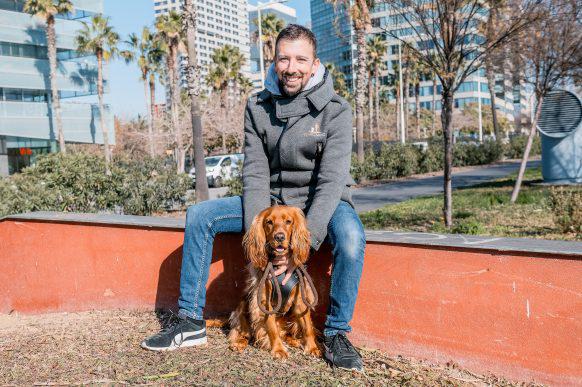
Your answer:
<point x="220" y="168"/>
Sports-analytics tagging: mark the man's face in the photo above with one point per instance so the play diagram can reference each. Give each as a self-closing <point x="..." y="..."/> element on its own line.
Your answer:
<point x="294" y="64"/>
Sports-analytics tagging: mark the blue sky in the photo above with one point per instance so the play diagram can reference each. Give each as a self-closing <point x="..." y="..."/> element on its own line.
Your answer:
<point x="126" y="90"/>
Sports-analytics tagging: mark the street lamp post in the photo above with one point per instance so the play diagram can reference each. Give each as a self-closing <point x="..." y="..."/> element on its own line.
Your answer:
<point x="479" y="106"/>
<point x="259" y="22"/>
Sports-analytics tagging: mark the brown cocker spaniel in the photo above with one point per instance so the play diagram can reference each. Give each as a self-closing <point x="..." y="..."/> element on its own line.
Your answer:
<point x="277" y="231"/>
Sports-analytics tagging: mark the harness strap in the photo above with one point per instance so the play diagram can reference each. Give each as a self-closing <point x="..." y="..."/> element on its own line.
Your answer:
<point x="299" y="276"/>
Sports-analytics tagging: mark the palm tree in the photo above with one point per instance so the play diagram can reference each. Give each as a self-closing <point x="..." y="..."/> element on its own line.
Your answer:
<point x="376" y="52"/>
<point x="359" y="12"/>
<point x="147" y="51"/>
<point x="169" y="28"/>
<point x="339" y="81"/>
<point x="193" y="79"/>
<point x="47" y="10"/>
<point x="271" y="25"/>
<point x="227" y="62"/>
<point x="225" y="68"/>
<point x="99" y="38"/>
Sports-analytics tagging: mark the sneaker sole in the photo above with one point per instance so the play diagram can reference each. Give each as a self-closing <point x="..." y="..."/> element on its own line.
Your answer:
<point x="185" y="344"/>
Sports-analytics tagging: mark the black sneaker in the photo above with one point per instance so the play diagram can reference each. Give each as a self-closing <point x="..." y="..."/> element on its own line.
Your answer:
<point x="179" y="332"/>
<point x="340" y="353"/>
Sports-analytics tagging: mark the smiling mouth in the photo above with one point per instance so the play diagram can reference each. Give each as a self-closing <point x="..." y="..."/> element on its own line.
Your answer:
<point x="279" y="249"/>
<point x="292" y="79"/>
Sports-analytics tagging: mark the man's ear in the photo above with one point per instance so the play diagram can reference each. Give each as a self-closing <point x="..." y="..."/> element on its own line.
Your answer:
<point x="315" y="66"/>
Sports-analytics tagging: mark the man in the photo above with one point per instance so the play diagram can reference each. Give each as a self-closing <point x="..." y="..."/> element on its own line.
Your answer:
<point x="298" y="142"/>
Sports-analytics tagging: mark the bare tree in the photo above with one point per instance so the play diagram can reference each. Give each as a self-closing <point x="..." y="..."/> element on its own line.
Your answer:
<point x="453" y="49"/>
<point x="551" y="54"/>
<point x="193" y="74"/>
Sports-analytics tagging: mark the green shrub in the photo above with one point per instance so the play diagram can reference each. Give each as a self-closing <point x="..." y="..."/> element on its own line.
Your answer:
<point x="76" y="182"/>
<point x="514" y="149"/>
<point x="566" y="204"/>
<point x="471" y="227"/>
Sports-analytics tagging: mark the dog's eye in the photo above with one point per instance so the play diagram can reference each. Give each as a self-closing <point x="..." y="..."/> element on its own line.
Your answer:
<point x="269" y="222"/>
<point x="288" y="221"/>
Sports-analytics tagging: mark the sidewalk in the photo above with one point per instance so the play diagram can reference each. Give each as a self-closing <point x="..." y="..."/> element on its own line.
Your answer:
<point x="373" y="197"/>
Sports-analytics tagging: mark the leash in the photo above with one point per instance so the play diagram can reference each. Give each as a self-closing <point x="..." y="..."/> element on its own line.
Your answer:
<point x="304" y="280"/>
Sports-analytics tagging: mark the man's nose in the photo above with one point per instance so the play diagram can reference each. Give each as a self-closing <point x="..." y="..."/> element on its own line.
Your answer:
<point x="279" y="237"/>
<point x="292" y="66"/>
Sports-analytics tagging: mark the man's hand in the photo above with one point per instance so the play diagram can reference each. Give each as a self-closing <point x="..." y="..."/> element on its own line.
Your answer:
<point x="283" y="265"/>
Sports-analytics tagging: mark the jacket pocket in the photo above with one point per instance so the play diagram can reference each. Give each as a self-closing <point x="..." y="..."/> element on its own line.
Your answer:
<point x="311" y="146"/>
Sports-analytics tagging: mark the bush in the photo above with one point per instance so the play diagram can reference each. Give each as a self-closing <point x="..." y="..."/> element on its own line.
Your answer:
<point x="516" y="146"/>
<point x="566" y="204"/>
<point x="76" y="182"/>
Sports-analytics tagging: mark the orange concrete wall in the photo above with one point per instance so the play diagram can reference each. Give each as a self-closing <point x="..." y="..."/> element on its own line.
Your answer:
<point x="511" y="314"/>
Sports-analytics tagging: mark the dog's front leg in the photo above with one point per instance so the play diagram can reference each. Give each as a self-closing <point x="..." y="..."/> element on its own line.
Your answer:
<point x="309" y="345"/>
<point x="277" y="349"/>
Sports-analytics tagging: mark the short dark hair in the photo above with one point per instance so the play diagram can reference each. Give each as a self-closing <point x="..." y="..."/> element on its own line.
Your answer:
<point x="294" y="32"/>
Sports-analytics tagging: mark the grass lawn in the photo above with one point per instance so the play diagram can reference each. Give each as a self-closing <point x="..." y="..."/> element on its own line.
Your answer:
<point x="479" y="210"/>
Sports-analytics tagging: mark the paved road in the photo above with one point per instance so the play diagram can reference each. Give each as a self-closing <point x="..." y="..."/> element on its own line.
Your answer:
<point x="371" y="198"/>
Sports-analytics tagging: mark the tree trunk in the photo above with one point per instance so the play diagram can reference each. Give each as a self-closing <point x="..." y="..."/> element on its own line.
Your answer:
<point x="377" y="101"/>
<point x="193" y="74"/>
<point x="417" y="106"/>
<point x="360" y="92"/>
<point x="102" y="113"/>
<point x="434" y="91"/>
<point x="150" y="121"/>
<point x="528" y="145"/>
<point x="447" y="123"/>
<point x="175" y="100"/>
<point x="370" y="108"/>
<point x="55" y="99"/>
<point x="491" y="85"/>
<point x="152" y="83"/>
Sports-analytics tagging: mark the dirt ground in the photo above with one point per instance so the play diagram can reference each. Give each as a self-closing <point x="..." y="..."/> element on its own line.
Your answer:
<point x="103" y="348"/>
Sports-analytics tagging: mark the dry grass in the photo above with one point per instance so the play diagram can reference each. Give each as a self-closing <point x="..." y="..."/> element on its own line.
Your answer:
<point x="103" y="348"/>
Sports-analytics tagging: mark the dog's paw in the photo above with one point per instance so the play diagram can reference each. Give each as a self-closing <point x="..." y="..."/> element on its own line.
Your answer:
<point x="313" y="351"/>
<point x="280" y="354"/>
<point x="293" y="342"/>
<point x="239" y="345"/>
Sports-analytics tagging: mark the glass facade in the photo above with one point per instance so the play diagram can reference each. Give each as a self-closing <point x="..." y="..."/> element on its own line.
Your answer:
<point x="27" y="122"/>
<point x="333" y="31"/>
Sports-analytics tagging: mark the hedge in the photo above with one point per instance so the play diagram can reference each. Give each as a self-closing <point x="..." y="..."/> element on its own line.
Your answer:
<point x="77" y="182"/>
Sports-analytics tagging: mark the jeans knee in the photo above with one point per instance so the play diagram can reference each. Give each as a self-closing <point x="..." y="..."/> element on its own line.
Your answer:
<point x="351" y="244"/>
<point x="196" y="216"/>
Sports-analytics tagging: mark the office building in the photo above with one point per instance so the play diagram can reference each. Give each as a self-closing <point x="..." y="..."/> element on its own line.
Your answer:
<point x="287" y="14"/>
<point x="336" y="39"/>
<point x="27" y="125"/>
<point x="219" y="22"/>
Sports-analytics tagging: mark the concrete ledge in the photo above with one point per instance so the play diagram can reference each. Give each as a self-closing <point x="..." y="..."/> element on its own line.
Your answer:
<point x="471" y="242"/>
<point x="508" y="306"/>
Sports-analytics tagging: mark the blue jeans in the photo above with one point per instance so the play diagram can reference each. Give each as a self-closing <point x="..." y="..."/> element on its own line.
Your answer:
<point x="206" y="219"/>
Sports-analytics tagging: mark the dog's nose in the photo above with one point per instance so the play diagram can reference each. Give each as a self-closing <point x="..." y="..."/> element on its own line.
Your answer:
<point x="279" y="237"/>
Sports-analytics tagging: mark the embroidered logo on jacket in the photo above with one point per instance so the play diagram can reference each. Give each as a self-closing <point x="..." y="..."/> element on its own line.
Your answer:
<point x="314" y="131"/>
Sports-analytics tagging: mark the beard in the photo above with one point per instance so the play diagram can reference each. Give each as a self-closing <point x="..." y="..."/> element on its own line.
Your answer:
<point x="290" y="91"/>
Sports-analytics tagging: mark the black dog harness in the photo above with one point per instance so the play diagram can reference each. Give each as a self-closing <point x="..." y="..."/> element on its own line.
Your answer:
<point x="281" y="293"/>
<point x="285" y="289"/>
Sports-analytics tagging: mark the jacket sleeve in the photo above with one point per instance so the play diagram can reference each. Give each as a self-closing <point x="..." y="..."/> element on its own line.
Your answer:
<point x="256" y="192"/>
<point x="333" y="173"/>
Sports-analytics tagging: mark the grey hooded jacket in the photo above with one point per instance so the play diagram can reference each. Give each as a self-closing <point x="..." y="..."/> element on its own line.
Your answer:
<point x="298" y="152"/>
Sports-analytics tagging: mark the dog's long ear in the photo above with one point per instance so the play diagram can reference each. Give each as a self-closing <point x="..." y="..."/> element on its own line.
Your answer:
<point x="254" y="243"/>
<point x="300" y="237"/>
